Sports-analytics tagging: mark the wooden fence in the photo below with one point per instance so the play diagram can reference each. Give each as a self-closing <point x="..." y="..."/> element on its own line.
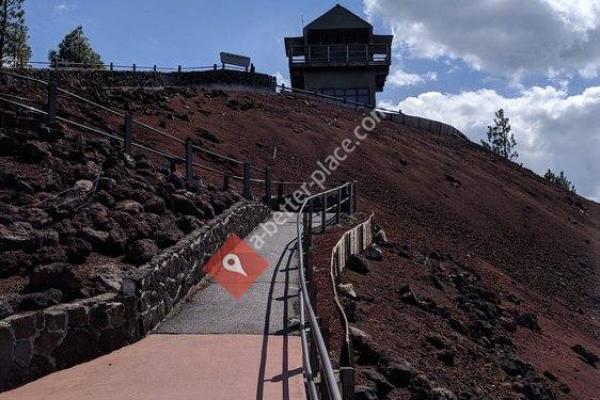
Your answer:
<point x="352" y="242"/>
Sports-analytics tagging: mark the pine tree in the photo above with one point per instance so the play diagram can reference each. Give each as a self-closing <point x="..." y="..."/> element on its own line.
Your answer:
<point x="75" y="48"/>
<point x="13" y="33"/>
<point x="560" y="180"/>
<point x="500" y="139"/>
<point x="17" y="49"/>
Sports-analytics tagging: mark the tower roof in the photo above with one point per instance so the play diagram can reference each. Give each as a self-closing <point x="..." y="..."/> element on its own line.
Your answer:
<point x="338" y="18"/>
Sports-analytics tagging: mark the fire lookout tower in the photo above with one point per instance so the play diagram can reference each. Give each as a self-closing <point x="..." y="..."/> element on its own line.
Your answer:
<point x="338" y="55"/>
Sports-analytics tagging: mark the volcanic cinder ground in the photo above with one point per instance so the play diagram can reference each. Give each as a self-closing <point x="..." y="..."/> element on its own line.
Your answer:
<point x="492" y="274"/>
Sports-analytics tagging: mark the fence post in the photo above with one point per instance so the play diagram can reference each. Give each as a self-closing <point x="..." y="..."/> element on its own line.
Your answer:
<point x="309" y="223"/>
<point x="354" y="197"/>
<point x="280" y="193"/>
<point x="128" y="134"/>
<point x="347" y="380"/>
<point x="154" y="67"/>
<point x="338" y="209"/>
<point x="134" y="67"/>
<point x="179" y="68"/>
<point x="247" y="181"/>
<point x="52" y="103"/>
<point x="225" y="183"/>
<point x="350" y="197"/>
<point x="189" y="159"/>
<point x="324" y="214"/>
<point x="268" y="186"/>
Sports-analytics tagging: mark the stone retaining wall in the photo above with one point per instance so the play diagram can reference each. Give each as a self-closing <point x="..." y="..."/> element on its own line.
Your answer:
<point x="130" y="79"/>
<point x="37" y="343"/>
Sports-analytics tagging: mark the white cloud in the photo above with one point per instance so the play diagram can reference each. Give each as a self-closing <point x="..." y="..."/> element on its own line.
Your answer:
<point x="61" y="8"/>
<point x="553" y="130"/>
<point x="402" y="78"/>
<point x="507" y="37"/>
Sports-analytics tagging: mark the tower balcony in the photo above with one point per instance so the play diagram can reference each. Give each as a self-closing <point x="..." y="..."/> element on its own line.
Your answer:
<point x="355" y="55"/>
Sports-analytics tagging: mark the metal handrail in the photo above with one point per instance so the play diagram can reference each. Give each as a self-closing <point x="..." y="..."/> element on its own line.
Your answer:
<point x="92" y="129"/>
<point x="123" y="67"/>
<point x="421" y="123"/>
<point x="90" y="102"/>
<point x="119" y="114"/>
<point x="135" y="122"/>
<point x="306" y="306"/>
<point x="371" y="54"/>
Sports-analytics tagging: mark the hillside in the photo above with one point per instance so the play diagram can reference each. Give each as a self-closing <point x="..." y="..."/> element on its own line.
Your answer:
<point x="518" y="245"/>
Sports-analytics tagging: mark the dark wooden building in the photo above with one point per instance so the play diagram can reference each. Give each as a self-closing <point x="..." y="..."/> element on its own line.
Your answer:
<point x="338" y="55"/>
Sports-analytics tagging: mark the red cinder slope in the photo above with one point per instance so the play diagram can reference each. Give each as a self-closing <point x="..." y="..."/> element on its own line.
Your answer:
<point x="486" y="241"/>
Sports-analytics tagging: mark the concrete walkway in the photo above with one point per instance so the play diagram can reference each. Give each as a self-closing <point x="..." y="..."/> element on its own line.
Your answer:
<point x="211" y="347"/>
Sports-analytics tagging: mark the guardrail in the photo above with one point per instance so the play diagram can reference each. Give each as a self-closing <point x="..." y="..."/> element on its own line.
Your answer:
<point x="353" y="241"/>
<point x="124" y="67"/>
<point x="316" y="361"/>
<point x="340" y="199"/>
<point x="127" y="139"/>
<point x="392" y="115"/>
<point x="353" y="54"/>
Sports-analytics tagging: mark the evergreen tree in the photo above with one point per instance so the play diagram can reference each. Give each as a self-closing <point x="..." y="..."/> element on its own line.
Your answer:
<point x="13" y="33"/>
<point x="75" y="48"/>
<point x="560" y="180"/>
<point x="17" y="49"/>
<point x="500" y="139"/>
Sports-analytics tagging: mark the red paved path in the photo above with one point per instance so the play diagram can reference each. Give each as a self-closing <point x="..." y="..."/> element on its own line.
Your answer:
<point x="180" y="367"/>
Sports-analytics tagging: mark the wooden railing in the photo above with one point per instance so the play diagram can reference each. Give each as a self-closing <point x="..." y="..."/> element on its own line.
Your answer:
<point x="354" y="241"/>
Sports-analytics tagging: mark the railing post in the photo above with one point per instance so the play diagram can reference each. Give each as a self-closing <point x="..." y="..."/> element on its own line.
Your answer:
<point x="225" y="183"/>
<point x="179" y="68"/>
<point x="354" y="198"/>
<point x="324" y="213"/>
<point x="268" y="186"/>
<point x="338" y="209"/>
<point x="247" y="181"/>
<point x="154" y="68"/>
<point x="280" y="193"/>
<point x="309" y="223"/>
<point x="189" y="159"/>
<point x="52" y="103"/>
<point x="128" y="134"/>
<point x="349" y="190"/>
<point x="347" y="381"/>
<point x="134" y="68"/>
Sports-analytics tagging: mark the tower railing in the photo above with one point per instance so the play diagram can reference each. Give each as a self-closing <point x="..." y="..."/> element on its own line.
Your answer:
<point x="341" y="54"/>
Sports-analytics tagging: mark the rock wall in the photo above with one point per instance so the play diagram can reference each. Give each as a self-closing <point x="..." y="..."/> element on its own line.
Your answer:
<point x="105" y="78"/>
<point x="34" y="344"/>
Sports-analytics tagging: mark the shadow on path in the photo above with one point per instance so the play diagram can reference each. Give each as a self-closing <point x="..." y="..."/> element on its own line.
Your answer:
<point x="287" y="255"/>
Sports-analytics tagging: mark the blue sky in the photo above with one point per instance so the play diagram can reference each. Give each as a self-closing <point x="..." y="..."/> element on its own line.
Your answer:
<point x="454" y="60"/>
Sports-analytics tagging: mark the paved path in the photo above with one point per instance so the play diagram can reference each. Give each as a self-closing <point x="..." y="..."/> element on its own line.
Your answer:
<point x="211" y="347"/>
<point x="270" y="302"/>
